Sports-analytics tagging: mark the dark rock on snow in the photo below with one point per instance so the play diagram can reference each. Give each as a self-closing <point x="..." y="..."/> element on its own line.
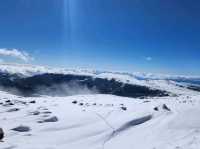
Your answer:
<point x="124" y="108"/>
<point x="81" y="104"/>
<point x="21" y="129"/>
<point x="52" y="119"/>
<point x="165" y="107"/>
<point x="8" y="104"/>
<point x="32" y="101"/>
<point x="8" y="101"/>
<point x="74" y="102"/>
<point x="47" y="112"/>
<point x="1" y="134"/>
<point x="35" y="113"/>
<point x="156" y="109"/>
<point x="13" y="110"/>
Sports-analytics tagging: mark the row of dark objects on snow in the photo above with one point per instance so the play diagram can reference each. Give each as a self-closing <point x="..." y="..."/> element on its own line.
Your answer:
<point x="11" y="103"/>
<point x="122" y="106"/>
<point x="164" y="107"/>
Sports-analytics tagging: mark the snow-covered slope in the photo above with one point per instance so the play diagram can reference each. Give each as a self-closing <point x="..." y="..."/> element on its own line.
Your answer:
<point x="101" y="122"/>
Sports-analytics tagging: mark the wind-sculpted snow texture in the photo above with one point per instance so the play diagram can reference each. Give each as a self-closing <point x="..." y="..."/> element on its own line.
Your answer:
<point x="99" y="122"/>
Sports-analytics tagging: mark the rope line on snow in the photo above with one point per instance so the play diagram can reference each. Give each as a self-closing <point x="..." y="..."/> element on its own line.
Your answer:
<point x="109" y="125"/>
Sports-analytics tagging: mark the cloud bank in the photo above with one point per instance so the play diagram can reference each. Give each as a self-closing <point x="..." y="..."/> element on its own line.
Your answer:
<point x="15" y="53"/>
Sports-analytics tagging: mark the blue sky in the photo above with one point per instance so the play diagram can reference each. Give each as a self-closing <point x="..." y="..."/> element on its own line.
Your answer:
<point x="123" y="35"/>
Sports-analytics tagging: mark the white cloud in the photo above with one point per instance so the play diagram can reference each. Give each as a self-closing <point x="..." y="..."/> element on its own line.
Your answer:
<point x="149" y="58"/>
<point x="21" y="55"/>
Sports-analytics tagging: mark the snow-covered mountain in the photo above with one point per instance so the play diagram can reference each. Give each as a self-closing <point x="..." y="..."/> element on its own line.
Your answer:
<point x="104" y="110"/>
<point x="30" y="79"/>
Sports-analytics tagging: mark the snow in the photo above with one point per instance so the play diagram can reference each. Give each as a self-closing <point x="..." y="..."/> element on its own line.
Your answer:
<point x="100" y="123"/>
